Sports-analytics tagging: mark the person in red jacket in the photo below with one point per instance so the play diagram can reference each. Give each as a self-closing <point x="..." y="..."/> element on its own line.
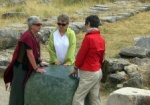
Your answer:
<point x="26" y="59"/>
<point x="89" y="62"/>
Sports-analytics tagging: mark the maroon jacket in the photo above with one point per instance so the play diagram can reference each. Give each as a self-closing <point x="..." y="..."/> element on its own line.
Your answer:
<point x="27" y="38"/>
<point x="91" y="53"/>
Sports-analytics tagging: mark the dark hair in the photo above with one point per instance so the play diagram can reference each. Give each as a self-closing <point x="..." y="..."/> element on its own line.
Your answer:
<point x="93" y="20"/>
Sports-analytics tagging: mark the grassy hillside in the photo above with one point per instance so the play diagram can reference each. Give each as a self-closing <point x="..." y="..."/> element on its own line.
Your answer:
<point x="122" y="33"/>
<point x="117" y="35"/>
<point x="44" y="10"/>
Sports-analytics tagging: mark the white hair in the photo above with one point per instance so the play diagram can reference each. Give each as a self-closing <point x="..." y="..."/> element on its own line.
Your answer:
<point x="32" y="20"/>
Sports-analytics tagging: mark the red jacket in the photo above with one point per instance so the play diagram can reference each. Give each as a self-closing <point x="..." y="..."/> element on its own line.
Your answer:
<point x="91" y="53"/>
<point x="29" y="40"/>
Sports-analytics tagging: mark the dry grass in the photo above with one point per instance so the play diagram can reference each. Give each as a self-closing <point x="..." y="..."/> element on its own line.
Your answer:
<point x="122" y="33"/>
<point x="144" y="0"/>
<point x="34" y="7"/>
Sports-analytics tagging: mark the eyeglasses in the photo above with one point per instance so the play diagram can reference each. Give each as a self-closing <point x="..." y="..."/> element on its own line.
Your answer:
<point x="63" y="24"/>
<point x="38" y="24"/>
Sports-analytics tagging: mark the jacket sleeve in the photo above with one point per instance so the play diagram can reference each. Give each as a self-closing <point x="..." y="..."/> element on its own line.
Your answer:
<point x="102" y="52"/>
<point x="82" y="52"/>
<point x="70" y="57"/>
<point x="51" y="50"/>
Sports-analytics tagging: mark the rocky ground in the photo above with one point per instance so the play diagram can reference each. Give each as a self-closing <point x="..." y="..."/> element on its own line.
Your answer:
<point x="4" y="95"/>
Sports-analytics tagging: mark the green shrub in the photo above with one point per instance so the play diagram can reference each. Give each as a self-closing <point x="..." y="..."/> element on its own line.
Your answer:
<point x="144" y="1"/>
<point x="19" y="9"/>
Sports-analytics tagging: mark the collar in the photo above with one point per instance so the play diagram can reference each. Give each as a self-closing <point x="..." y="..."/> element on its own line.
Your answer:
<point x="91" y="29"/>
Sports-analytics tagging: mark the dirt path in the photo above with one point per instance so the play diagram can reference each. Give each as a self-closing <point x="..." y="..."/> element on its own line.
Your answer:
<point x="4" y="95"/>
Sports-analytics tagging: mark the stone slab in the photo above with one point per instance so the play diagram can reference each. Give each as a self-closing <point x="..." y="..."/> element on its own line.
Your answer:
<point x="54" y="87"/>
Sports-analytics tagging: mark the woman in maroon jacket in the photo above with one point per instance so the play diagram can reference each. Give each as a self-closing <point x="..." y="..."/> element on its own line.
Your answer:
<point x="26" y="58"/>
<point x="89" y="62"/>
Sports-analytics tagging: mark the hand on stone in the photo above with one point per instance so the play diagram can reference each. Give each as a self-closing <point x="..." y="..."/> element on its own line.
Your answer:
<point x="67" y="64"/>
<point x="74" y="72"/>
<point x="40" y="70"/>
<point x="42" y="64"/>
<point x="57" y="63"/>
<point x="8" y="87"/>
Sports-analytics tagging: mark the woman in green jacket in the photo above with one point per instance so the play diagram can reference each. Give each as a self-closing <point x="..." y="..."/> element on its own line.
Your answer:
<point x="62" y="43"/>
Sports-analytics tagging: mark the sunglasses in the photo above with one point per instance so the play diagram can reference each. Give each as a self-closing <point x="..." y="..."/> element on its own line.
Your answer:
<point x="63" y="24"/>
<point x="38" y="24"/>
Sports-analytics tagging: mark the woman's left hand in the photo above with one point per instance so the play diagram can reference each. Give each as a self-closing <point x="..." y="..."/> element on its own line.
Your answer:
<point x="67" y="64"/>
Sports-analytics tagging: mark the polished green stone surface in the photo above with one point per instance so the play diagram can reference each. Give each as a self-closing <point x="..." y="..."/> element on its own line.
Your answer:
<point x="54" y="87"/>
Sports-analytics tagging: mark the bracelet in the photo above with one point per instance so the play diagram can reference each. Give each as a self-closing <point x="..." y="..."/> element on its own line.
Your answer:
<point x="36" y="69"/>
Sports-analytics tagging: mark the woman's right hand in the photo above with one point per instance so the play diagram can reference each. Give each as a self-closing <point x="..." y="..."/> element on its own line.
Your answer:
<point x="8" y="87"/>
<point x="40" y="70"/>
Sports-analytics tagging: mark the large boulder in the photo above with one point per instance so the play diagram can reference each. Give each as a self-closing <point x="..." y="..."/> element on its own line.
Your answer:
<point x="129" y="96"/>
<point x="143" y="42"/>
<point x="134" y="51"/>
<point x="54" y="87"/>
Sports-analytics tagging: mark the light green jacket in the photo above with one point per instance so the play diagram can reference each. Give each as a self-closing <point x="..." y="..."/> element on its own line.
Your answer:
<point x="70" y="57"/>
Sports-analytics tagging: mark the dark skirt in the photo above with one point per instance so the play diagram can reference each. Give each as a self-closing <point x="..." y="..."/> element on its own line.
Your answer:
<point x="17" y="87"/>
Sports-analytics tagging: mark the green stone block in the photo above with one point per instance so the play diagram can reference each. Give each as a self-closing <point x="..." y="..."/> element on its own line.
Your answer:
<point x="54" y="87"/>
